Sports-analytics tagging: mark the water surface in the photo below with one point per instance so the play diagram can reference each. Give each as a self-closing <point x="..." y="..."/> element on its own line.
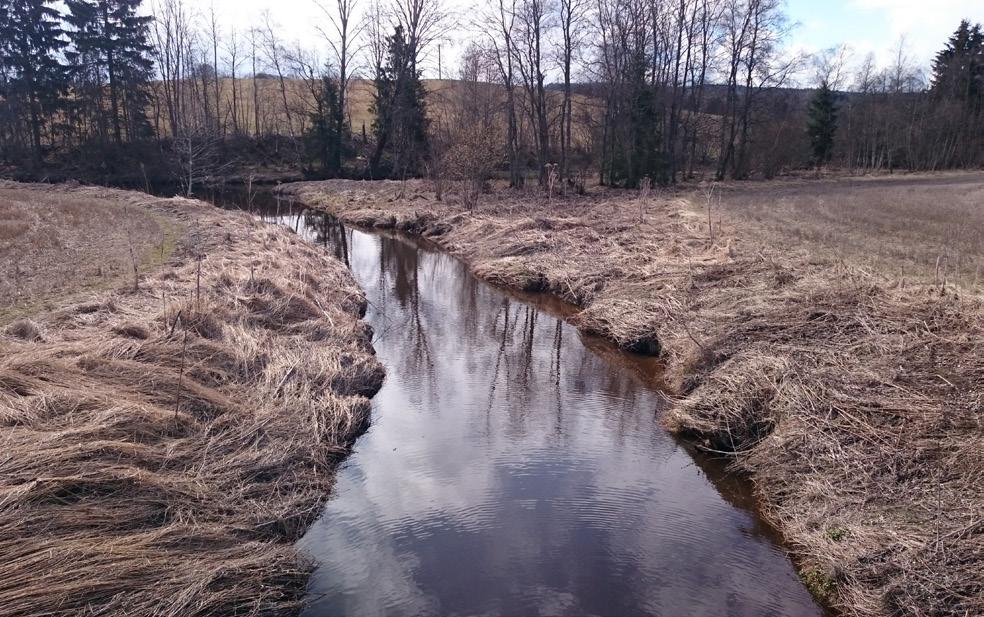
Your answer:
<point x="514" y="467"/>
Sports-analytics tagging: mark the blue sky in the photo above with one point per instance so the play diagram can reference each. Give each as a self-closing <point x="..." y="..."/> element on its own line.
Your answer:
<point x="876" y="25"/>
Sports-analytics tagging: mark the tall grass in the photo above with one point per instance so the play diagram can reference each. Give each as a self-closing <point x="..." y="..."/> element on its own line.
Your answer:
<point x="162" y="460"/>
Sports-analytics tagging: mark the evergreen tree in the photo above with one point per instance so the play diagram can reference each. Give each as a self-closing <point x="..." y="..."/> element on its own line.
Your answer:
<point x="31" y="39"/>
<point x="637" y="139"/>
<point x="399" y="105"/>
<point x="822" y="123"/>
<point x="110" y="48"/>
<point x="958" y="70"/>
<point x="324" y="138"/>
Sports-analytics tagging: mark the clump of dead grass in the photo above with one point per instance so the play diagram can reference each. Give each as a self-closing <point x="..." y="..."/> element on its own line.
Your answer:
<point x="163" y="448"/>
<point x="24" y="329"/>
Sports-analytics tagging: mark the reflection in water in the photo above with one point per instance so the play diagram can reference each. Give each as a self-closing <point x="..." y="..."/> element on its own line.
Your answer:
<point x="516" y="468"/>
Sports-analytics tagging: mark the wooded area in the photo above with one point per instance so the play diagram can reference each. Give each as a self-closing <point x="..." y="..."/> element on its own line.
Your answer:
<point x="626" y="92"/>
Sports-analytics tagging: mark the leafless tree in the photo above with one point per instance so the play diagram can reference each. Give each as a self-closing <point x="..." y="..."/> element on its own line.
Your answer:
<point x="499" y="26"/>
<point x="533" y="23"/>
<point x="233" y="62"/>
<point x="572" y="22"/>
<point x="342" y="33"/>
<point x="276" y="58"/>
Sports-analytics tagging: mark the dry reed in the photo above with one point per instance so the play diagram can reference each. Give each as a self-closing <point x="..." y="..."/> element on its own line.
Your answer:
<point x="114" y="501"/>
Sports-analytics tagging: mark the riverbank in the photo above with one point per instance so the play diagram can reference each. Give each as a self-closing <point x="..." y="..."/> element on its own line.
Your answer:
<point x="853" y="399"/>
<point x="178" y="384"/>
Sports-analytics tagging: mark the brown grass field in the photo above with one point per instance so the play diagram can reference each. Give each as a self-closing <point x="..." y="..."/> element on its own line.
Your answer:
<point x="922" y="228"/>
<point x="443" y="97"/>
<point x="162" y="446"/>
<point x="809" y="334"/>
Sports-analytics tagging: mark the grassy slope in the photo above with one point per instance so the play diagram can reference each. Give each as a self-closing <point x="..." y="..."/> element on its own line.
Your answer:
<point x="163" y="447"/>
<point x="441" y="96"/>
<point x="854" y="401"/>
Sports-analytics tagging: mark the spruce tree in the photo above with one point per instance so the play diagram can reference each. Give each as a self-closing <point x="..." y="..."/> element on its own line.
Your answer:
<point x="822" y="123"/>
<point x="324" y="138"/>
<point x="110" y="47"/>
<point x="958" y="70"/>
<point x="31" y="39"/>
<point x="400" y="110"/>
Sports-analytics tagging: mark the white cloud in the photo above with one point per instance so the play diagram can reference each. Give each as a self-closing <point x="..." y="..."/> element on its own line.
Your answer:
<point x="925" y="25"/>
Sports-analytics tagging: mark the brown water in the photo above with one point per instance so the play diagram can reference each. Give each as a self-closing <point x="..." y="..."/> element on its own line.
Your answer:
<point x="514" y="467"/>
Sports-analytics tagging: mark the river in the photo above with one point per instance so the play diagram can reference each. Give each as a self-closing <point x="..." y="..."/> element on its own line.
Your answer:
<point x="516" y="467"/>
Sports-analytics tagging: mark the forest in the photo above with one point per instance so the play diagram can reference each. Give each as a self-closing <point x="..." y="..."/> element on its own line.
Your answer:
<point x="558" y="92"/>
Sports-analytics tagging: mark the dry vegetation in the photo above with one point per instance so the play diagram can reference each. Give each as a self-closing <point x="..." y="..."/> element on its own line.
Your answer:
<point x="853" y="398"/>
<point x="923" y="229"/>
<point x="162" y="447"/>
<point x="72" y="245"/>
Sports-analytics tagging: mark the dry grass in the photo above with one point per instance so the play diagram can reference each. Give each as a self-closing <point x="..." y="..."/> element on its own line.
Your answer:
<point x="161" y="448"/>
<point x="923" y="229"/>
<point x="66" y="245"/>
<point x="854" y="401"/>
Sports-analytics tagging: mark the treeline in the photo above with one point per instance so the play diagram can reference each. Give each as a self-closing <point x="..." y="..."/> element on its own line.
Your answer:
<point x="72" y="77"/>
<point x="625" y="92"/>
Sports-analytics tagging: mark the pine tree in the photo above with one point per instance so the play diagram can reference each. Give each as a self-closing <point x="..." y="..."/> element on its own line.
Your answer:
<point x="400" y="109"/>
<point x="110" y="47"/>
<point x="958" y="70"/>
<point x="822" y="123"/>
<point x="324" y="138"/>
<point x="31" y="39"/>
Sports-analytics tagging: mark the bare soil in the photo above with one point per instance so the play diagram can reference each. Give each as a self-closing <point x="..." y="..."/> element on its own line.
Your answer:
<point x="853" y="397"/>
<point x="163" y="445"/>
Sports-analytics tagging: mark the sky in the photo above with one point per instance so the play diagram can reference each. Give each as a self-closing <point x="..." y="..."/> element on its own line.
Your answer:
<point x="866" y="26"/>
<point x="875" y="26"/>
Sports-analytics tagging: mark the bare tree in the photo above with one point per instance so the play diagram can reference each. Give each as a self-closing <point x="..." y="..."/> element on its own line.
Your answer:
<point x="171" y="33"/>
<point x="533" y="21"/>
<point x="276" y="57"/>
<point x="572" y="13"/>
<point x="344" y="30"/>
<point x="217" y="81"/>
<point x="233" y="61"/>
<point x="499" y="24"/>
<point x="253" y="50"/>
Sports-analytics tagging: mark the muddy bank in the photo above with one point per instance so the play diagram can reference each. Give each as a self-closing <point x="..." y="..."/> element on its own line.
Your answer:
<point x="854" y="402"/>
<point x="165" y="443"/>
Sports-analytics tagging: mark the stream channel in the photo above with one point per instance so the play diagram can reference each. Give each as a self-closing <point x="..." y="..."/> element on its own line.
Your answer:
<point x="515" y="467"/>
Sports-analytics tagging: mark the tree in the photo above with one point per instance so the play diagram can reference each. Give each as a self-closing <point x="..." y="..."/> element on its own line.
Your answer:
<point x="499" y="24"/>
<point x="171" y="38"/>
<point x="324" y="138"/>
<point x="533" y="26"/>
<point x="109" y="41"/>
<point x="340" y="39"/>
<point x="822" y="123"/>
<point x="958" y="70"/>
<point x="571" y="23"/>
<point x="31" y="37"/>
<point x="400" y="124"/>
